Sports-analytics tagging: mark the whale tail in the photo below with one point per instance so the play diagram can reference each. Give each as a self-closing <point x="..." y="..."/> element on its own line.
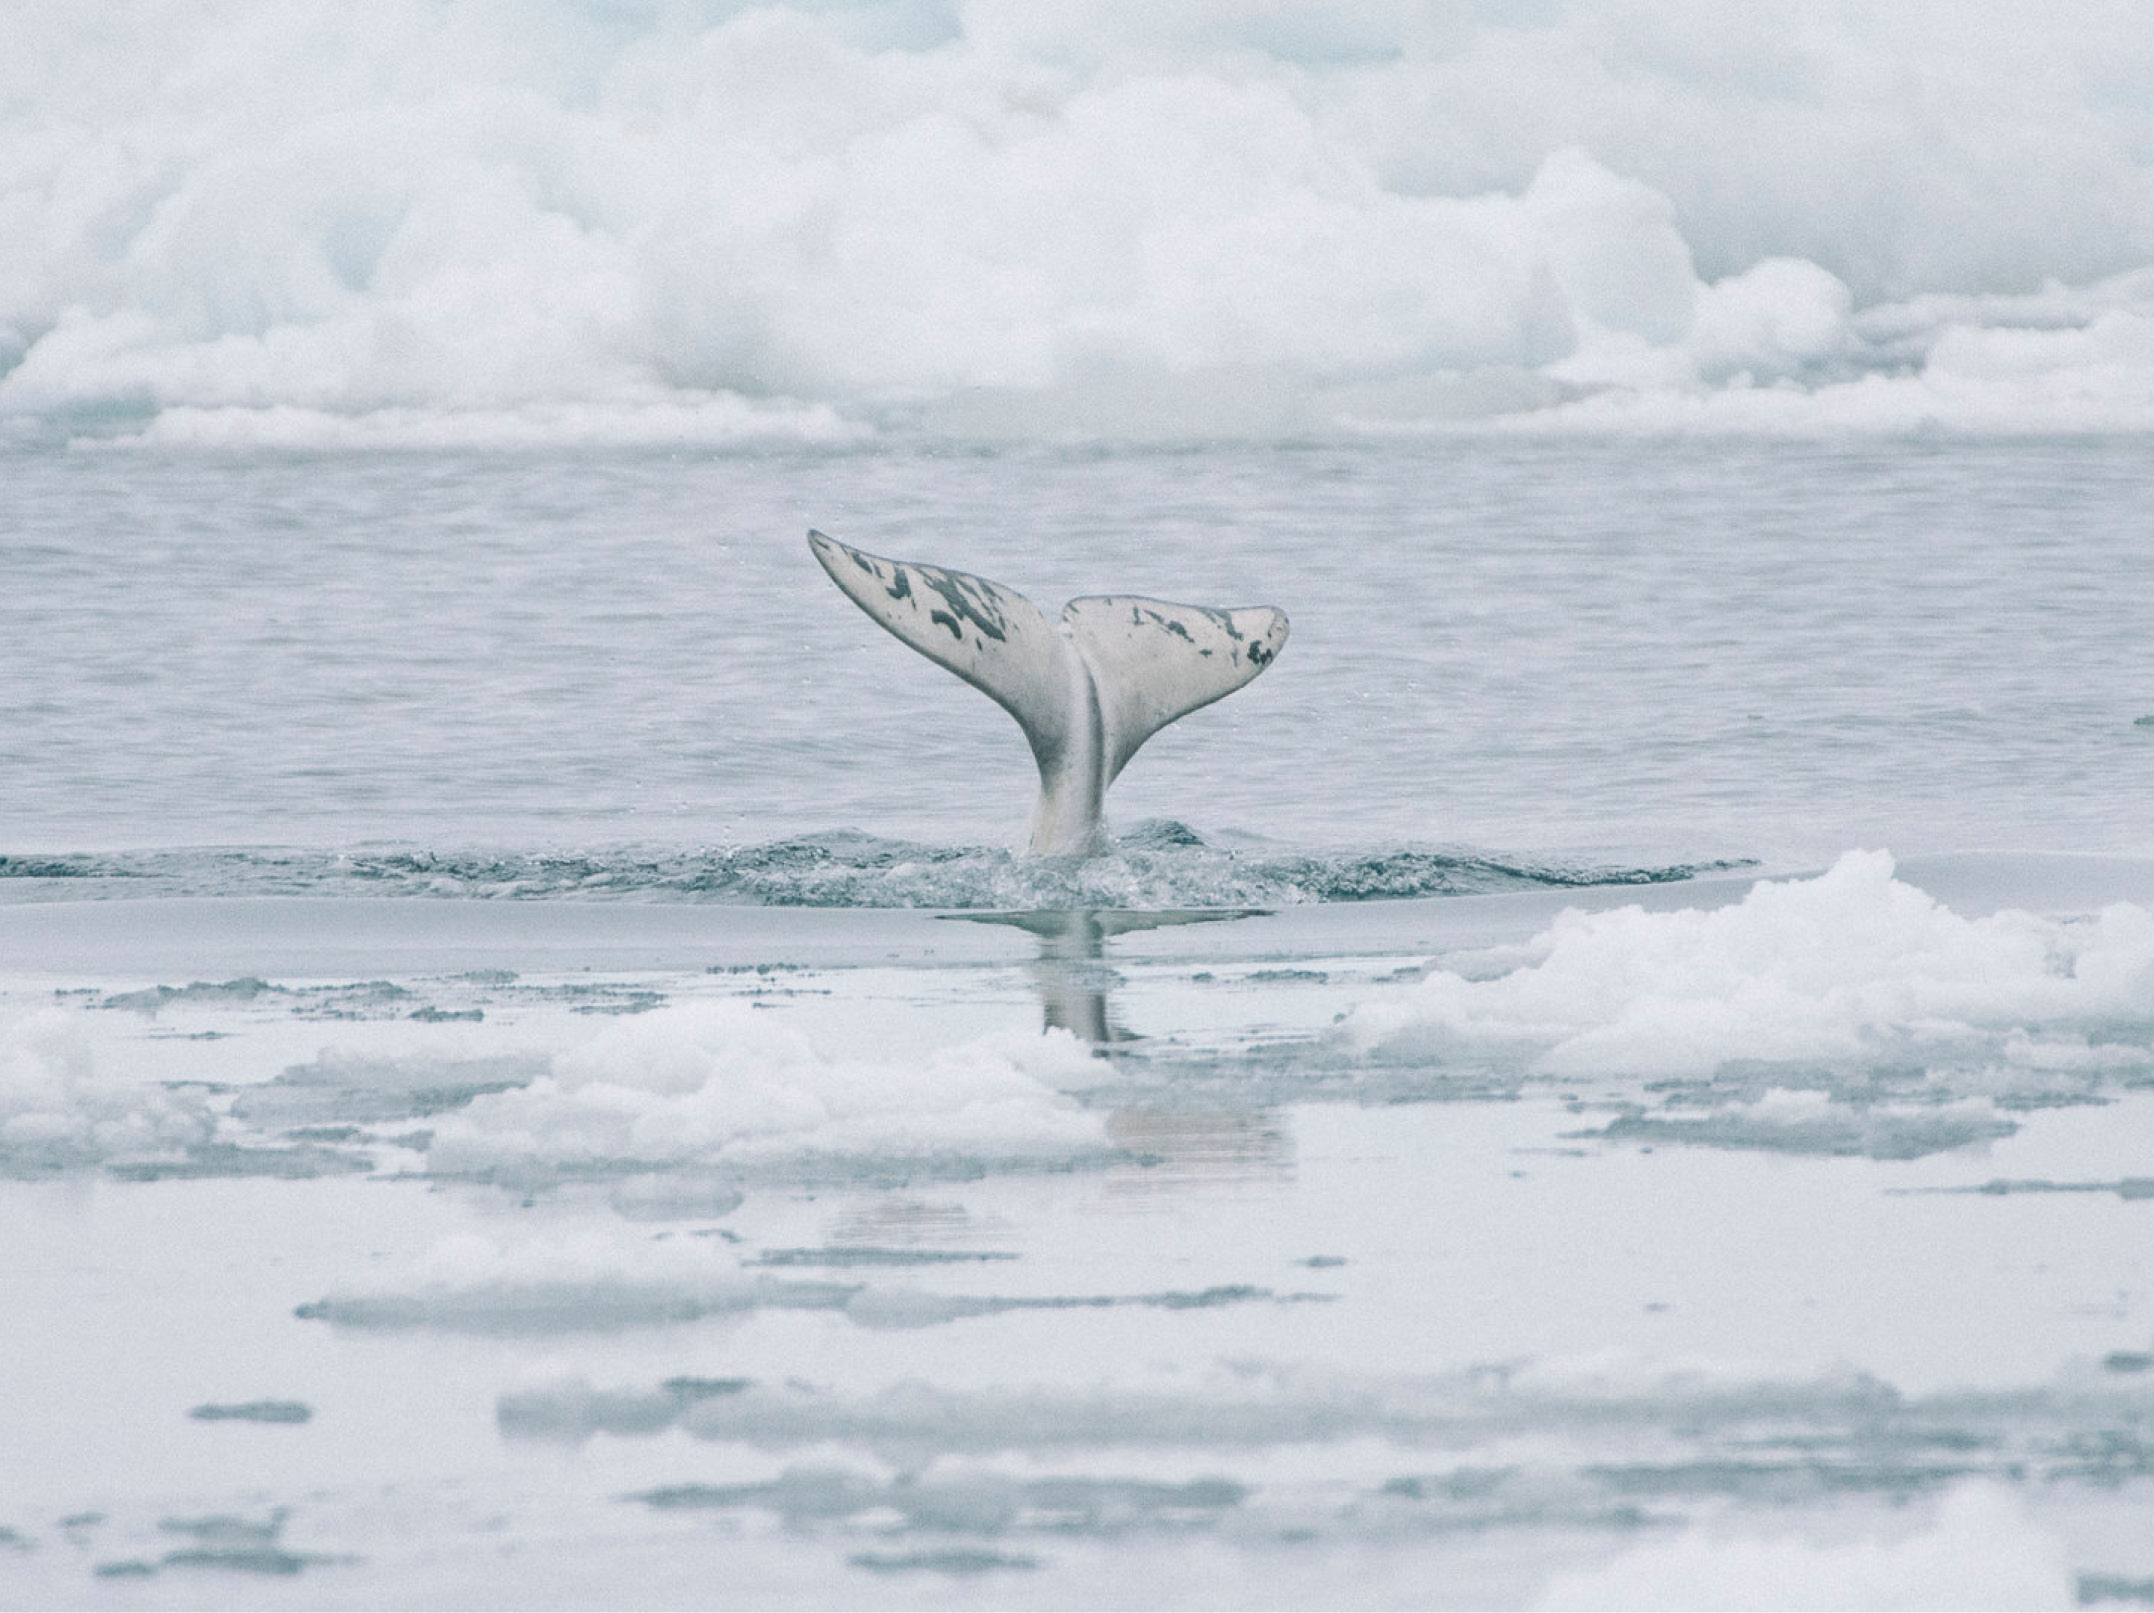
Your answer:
<point x="1088" y="690"/>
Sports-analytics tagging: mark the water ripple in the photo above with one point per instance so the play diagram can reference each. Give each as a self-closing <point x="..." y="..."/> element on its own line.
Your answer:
<point x="1159" y="864"/>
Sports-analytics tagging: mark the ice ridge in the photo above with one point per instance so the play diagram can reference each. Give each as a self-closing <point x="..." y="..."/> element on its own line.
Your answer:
<point x="1853" y="967"/>
<point x="765" y="223"/>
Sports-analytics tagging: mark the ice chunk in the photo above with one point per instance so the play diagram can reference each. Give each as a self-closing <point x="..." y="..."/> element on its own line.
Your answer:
<point x="469" y="1284"/>
<point x="57" y="1110"/>
<point x="1850" y="965"/>
<point x="340" y="1087"/>
<point x="596" y="1283"/>
<point x="255" y="1411"/>
<point x="720" y="1082"/>
<point x="1812" y="1123"/>
<point x="941" y="1562"/>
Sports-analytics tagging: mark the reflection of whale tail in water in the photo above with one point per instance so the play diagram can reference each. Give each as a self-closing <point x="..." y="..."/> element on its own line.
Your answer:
<point x="1088" y="689"/>
<point x="1072" y="978"/>
<point x="1071" y="975"/>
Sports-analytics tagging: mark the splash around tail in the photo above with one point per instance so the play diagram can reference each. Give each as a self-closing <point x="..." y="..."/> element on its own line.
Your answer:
<point x="1088" y="689"/>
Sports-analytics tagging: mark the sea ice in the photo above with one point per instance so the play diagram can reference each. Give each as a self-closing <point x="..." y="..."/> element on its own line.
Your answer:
<point x="765" y="223"/>
<point x="57" y="1109"/>
<point x="1852" y="965"/>
<point x="723" y="1082"/>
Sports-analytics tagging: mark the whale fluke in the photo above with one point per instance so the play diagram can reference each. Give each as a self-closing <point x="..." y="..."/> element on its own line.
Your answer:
<point x="1088" y="690"/>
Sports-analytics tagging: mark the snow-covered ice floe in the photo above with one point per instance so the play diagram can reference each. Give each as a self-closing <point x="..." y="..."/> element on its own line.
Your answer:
<point x="1851" y="1012"/>
<point x="57" y="1109"/>
<point x="1852" y="964"/>
<point x="716" y="1083"/>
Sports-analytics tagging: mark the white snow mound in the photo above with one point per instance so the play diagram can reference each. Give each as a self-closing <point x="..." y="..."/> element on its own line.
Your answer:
<point x="1838" y="967"/>
<point x="56" y="1108"/>
<point x="721" y="1082"/>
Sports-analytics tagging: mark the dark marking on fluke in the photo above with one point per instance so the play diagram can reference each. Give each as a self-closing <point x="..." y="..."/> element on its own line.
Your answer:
<point x="1225" y="619"/>
<point x="969" y="600"/>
